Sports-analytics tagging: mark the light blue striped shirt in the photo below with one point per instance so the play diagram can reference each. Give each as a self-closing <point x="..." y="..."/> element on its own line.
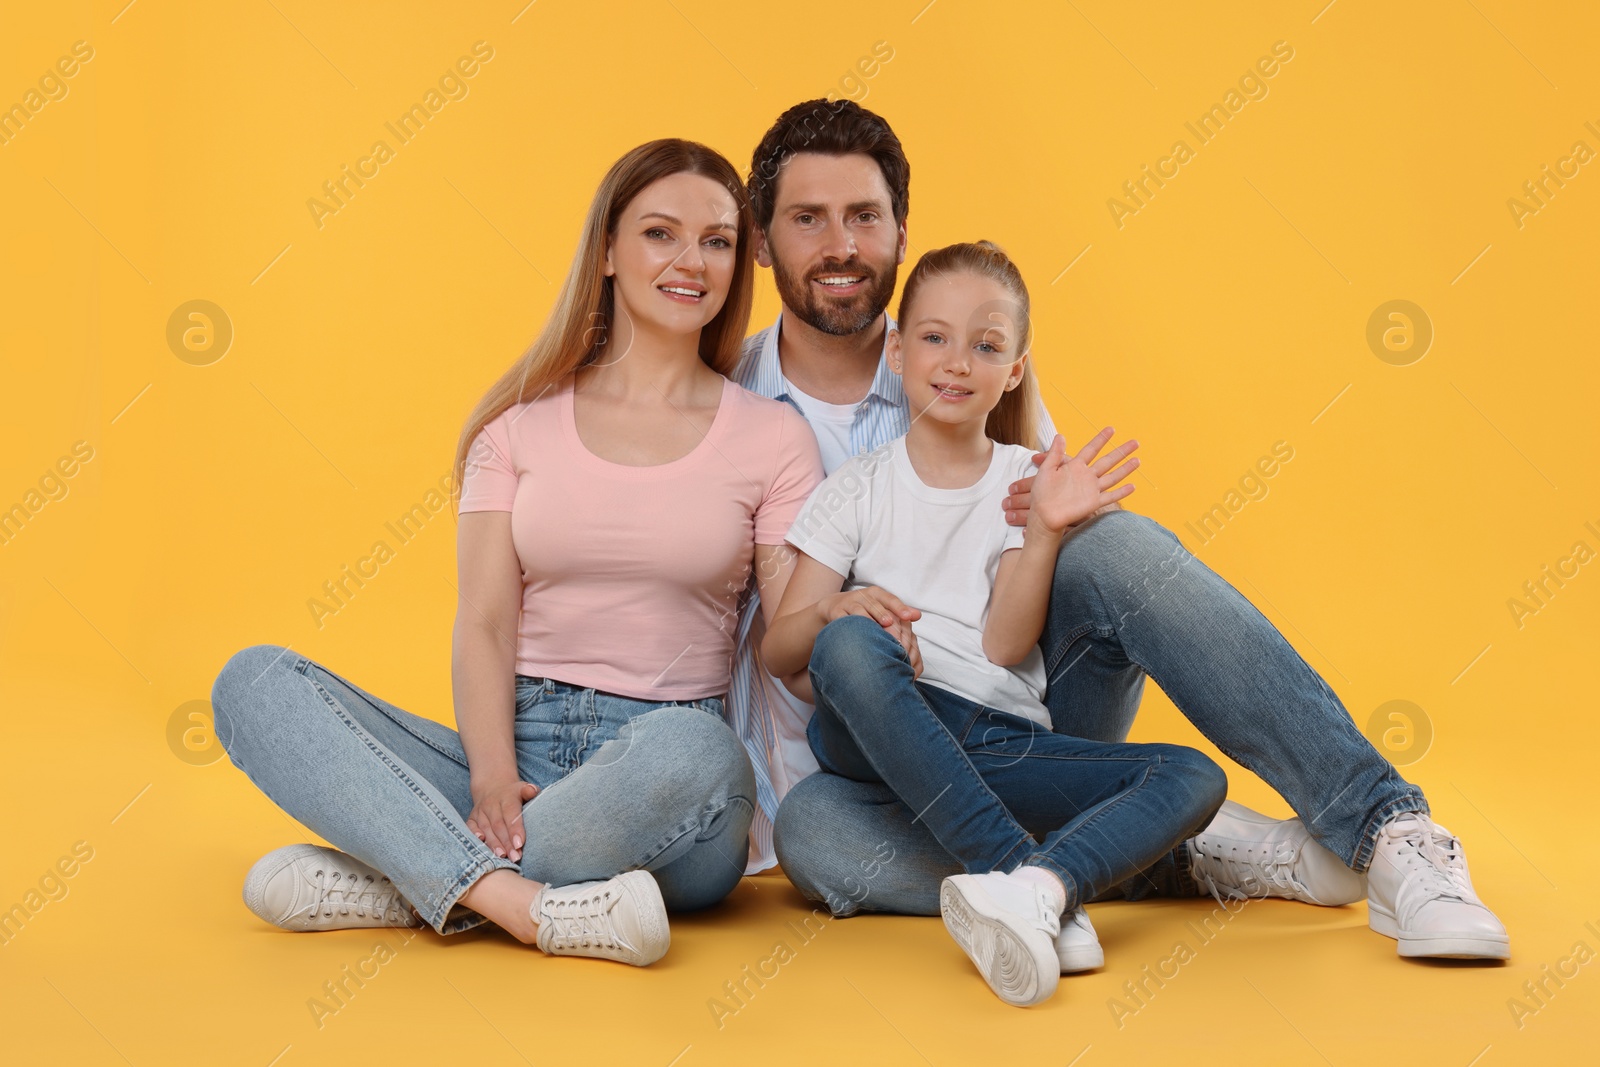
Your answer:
<point x="768" y="718"/>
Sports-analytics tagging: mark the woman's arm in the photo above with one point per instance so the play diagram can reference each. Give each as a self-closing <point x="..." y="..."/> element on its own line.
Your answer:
<point x="774" y="567"/>
<point x="483" y="675"/>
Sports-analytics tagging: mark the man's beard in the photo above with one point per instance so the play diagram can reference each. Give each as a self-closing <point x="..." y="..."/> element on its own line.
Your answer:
<point x="830" y="315"/>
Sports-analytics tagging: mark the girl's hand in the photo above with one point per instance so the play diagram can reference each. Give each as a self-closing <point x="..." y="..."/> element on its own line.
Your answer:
<point x="496" y="816"/>
<point x="1068" y="490"/>
<point x="884" y="608"/>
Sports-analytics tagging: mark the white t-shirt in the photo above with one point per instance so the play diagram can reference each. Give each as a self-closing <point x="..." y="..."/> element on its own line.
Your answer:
<point x="875" y="522"/>
<point x="830" y="422"/>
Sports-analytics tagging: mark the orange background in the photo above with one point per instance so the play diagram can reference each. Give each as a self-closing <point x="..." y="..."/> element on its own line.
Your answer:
<point x="1229" y="313"/>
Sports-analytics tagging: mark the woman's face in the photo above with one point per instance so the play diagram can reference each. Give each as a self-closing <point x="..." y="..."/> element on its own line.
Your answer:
<point x="958" y="351"/>
<point x="673" y="255"/>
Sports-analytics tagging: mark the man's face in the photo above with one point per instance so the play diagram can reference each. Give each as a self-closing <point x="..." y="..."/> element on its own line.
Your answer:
<point x="833" y="244"/>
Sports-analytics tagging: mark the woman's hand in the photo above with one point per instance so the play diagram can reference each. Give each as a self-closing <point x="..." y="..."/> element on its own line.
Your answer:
<point x="884" y="608"/>
<point x="496" y="816"/>
<point x="1068" y="490"/>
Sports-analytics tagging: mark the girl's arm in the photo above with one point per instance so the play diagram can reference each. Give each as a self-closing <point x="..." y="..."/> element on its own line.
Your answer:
<point x="1065" y="492"/>
<point x="1021" y="595"/>
<point x="483" y="676"/>
<point x="812" y="599"/>
<point x="799" y="616"/>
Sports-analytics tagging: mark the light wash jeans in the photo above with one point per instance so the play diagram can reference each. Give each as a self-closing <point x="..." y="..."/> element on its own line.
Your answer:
<point x="1127" y="601"/>
<point x="623" y="784"/>
<point x="971" y="772"/>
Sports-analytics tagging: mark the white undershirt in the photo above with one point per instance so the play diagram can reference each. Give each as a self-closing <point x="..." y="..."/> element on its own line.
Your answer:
<point x="794" y="760"/>
<point x="830" y="422"/>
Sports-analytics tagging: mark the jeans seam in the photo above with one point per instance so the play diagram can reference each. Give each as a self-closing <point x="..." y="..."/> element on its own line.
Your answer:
<point x="1043" y="855"/>
<point x="354" y="727"/>
<point x="960" y="743"/>
<point x="377" y="706"/>
<point x="464" y="880"/>
<point x="674" y="835"/>
<point x="1066" y="646"/>
<point x="1367" y="843"/>
<point x="1027" y="846"/>
<point x="967" y="726"/>
<point x="590" y="712"/>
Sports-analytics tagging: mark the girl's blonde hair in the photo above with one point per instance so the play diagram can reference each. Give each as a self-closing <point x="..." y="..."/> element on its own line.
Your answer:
<point x="581" y="322"/>
<point x="1015" y="419"/>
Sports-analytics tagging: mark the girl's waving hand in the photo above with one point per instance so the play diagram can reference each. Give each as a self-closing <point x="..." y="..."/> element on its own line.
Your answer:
<point x="1068" y="490"/>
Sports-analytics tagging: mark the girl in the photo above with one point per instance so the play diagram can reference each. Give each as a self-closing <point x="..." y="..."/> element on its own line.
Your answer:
<point x="616" y="490"/>
<point x="948" y="712"/>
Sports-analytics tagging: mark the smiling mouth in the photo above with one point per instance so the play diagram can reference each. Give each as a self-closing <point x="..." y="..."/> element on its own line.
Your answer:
<point x="682" y="290"/>
<point x="839" y="281"/>
<point x="952" y="390"/>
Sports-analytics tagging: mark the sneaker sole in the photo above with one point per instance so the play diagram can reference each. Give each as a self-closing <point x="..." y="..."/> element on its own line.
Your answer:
<point x="1452" y="948"/>
<point x="1015" y="972"/>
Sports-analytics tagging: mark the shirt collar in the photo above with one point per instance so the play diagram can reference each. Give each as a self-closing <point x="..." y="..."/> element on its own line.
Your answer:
<point x="769" y="379"/>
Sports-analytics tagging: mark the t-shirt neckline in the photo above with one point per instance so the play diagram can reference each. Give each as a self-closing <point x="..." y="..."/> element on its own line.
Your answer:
<point x="839" y="414"/>
<point x="706" y="445"/>
<point x="965" y="495"/>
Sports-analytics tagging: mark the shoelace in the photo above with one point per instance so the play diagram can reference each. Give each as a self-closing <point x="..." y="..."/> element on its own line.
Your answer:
<point x="1251" y="871"/>
<point x="331" y="894"/>
<point x="1433" y="852"/>
<point x="582" y="921"/>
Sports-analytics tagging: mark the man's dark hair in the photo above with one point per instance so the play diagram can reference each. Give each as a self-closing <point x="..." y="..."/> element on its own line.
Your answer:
<point x="833" y="128"/>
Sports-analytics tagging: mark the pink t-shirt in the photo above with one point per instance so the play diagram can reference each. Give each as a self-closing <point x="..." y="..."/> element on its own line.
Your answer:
<point x="631" y="576"/>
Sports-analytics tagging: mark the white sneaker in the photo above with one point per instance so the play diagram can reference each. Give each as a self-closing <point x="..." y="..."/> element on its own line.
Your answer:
<point x="1245" y="854"/>
<point x="1077" y="945"/>
<point x="620" y="919"/>
<point x="310" y="887"/>
<point x="1420" y="894"/>
<point x="1008" y="928"/>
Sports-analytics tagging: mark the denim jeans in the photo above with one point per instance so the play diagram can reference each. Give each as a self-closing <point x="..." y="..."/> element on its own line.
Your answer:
<point x="974" y="775"/>
<point x="623" y="784"/>
<point x="1127" y="601"/>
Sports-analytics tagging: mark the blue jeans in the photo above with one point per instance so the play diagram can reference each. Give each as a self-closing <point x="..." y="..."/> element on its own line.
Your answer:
<point x="973" y="774"/>
<point x="1127" y="601"/>
<point x="623" y="784"/>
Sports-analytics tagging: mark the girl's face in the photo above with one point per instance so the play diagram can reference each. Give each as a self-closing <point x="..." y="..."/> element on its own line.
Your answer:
<point x="674" y="253"/>
<point x="957" y="352"/>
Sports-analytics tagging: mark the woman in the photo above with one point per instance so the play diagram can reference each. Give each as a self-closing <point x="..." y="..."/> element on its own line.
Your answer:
<point x="617" y="489"/>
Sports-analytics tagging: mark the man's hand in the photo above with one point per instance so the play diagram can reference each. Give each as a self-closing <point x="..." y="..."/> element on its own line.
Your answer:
<point x="1019" y="505"/>
<point x="884" y="608"/>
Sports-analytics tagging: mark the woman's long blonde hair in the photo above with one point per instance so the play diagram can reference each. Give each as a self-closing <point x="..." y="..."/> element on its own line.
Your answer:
<point x="1015" y="419"/>
<point x="581" y="322"/>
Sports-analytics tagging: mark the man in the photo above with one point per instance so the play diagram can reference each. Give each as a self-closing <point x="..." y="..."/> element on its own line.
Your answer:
<point x="829" y="185"/>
